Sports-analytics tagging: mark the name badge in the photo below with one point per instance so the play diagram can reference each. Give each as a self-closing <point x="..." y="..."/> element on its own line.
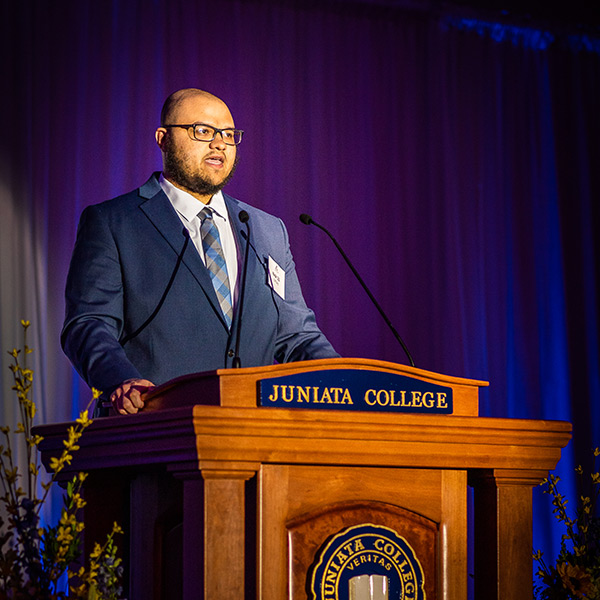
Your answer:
<point x="276" y="278"/>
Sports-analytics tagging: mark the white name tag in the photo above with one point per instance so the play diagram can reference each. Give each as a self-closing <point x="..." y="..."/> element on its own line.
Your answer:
<point x="276" y="278"/>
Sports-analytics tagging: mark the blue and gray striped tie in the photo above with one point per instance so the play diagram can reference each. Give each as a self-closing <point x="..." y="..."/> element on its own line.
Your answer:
<point x="215" y="262"/>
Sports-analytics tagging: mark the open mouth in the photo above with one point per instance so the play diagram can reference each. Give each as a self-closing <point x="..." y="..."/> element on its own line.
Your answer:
<point x="215" y="161"/>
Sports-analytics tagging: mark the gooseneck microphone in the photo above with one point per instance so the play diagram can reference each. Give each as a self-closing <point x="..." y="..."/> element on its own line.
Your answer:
<point x="308" y="220"/>
<point x="151" y="318"/>
<point x="237" y="362"/>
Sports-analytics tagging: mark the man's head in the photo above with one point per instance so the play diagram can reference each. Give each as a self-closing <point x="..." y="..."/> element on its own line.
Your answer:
<point x="200" y="168"/>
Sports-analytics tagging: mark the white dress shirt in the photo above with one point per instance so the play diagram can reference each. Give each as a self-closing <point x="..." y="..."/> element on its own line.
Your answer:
<point x="188" y="207"/>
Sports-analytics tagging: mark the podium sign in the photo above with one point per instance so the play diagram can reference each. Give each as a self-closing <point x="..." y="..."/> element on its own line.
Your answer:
<point x="354" y="389"/>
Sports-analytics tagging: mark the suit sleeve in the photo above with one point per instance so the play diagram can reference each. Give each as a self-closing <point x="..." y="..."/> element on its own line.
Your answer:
<point x="298" y="335"/>
<point x="94" y="306"/>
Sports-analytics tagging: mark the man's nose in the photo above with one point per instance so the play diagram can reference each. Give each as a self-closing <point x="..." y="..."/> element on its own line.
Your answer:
<point x="218" y="141"/>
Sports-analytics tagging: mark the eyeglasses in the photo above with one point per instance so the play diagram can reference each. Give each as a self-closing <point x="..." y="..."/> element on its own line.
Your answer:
<point x="206" y="133"/>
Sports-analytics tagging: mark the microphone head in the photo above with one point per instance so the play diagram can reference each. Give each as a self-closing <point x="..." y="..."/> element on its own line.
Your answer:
<point x="306" y="219"/>
<point x="244" y="217"/>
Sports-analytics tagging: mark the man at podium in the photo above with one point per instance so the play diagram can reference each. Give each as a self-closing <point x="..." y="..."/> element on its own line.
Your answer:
<point x="155" y="282"/>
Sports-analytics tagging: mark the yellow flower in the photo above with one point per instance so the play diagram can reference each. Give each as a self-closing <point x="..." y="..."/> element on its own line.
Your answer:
<point x="97" y="551"/>
<point x="575" y="579"/>
<point x="78" y="501"/>
<point x="116" y="528"/>
<point x="83" y="419"/>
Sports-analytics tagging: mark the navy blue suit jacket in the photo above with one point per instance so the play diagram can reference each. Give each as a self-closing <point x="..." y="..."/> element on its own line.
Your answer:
<point x="125" y="253"/>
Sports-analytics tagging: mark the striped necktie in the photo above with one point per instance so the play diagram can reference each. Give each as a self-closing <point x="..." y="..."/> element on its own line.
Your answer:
<point x="215" y="262"/>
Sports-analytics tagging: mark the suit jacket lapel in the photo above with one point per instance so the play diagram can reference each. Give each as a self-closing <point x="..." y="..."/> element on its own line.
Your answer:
<point x="157" y="207"/>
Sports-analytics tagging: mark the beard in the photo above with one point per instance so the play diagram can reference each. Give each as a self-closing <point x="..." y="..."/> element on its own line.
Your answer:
<point x="180" y="173"/>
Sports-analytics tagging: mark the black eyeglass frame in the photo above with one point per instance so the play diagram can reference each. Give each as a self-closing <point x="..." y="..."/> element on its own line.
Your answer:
<point x="216" y="130"/>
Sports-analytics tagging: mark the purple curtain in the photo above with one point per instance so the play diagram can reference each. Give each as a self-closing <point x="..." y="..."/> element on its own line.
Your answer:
<point x="456" y="161"/>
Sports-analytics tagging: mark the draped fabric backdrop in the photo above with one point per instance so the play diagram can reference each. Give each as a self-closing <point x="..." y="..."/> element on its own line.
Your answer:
<point x="456" y="161"/>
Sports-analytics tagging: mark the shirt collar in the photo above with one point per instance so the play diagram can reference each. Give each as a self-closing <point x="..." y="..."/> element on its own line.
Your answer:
<point x="188" y="206"/>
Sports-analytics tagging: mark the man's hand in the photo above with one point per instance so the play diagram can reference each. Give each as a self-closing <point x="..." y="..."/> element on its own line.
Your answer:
<point x="127" y="398"/>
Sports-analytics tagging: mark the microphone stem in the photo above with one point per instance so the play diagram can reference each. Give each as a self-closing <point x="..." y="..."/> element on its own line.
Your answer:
<point x="237" y="361"/>
<point x="364" y="285"/>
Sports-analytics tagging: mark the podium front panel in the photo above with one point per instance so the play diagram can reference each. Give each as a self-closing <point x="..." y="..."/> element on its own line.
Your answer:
<point x="301" y="508"/>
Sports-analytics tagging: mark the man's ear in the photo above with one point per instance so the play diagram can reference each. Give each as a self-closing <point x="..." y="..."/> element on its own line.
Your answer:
<point x="159" y="136"/>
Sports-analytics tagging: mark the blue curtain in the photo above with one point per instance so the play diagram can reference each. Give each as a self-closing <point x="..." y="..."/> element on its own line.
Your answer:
<point x="456" y="161"/>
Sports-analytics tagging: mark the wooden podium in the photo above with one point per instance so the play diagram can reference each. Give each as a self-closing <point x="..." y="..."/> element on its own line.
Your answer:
<point x="223" y="499"/>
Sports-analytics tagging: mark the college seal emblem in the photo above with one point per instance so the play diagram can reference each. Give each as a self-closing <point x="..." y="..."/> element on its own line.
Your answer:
<point x="366" y="562"/>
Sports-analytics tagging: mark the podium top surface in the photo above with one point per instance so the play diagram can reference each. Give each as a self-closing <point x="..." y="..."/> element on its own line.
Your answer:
<point x="389" y="387"/>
